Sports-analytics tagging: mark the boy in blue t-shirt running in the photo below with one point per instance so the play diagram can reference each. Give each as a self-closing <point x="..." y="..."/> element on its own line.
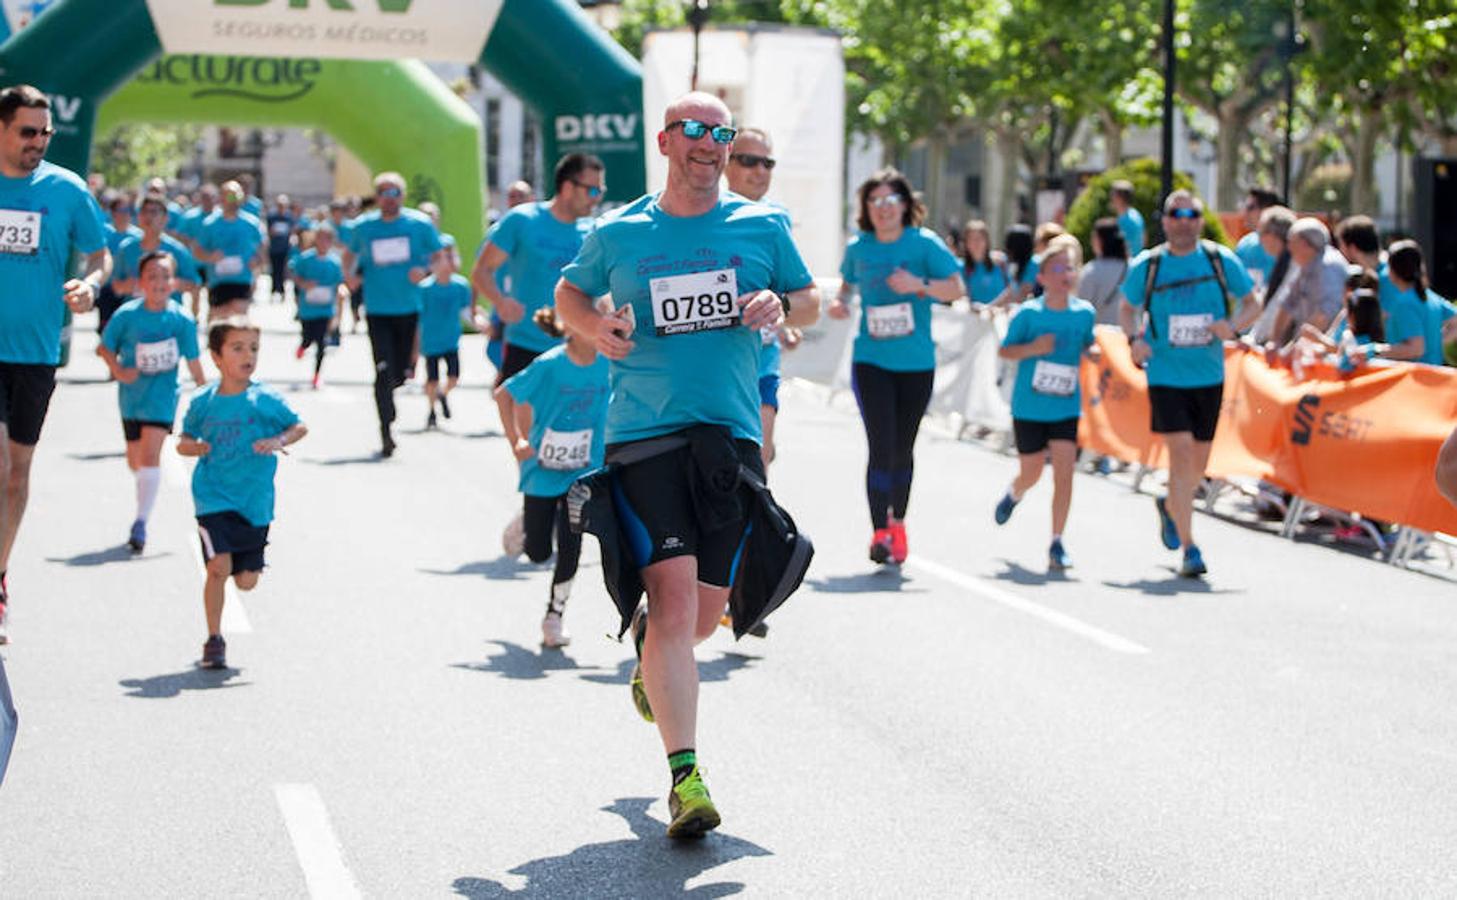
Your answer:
<point x="446" y="300"/>
<point x="234" y="426"/>
<point x="1047" y="337"/>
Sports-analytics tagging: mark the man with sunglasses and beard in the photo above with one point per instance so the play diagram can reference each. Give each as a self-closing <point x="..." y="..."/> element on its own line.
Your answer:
<point x="695" y="274"/>
<point x="46" y="212"/>
<point x="1177" y="311"/>
<point x="394" y="247"/>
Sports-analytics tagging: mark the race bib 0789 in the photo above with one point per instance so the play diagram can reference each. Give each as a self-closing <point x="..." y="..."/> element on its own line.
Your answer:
<point x="701" y="301"/>
<point x="20" y="231"/>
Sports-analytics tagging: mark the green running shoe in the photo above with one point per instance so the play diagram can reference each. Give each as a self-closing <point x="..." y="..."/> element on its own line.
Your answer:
<point x="639" y="693"/>
<point x="691" y="808"/>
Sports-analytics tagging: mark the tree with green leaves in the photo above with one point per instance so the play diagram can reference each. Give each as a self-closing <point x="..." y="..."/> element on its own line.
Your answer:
<point x="130" y="154"/>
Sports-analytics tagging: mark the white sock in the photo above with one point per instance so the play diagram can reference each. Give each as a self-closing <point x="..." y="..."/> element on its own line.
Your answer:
<point x="149" y="480"/>
<point x="1012" y="492"/>
<point x="1056" y="538"/>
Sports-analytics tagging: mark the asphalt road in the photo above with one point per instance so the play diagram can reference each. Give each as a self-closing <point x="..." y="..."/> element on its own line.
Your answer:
<point x="964" y="727"/>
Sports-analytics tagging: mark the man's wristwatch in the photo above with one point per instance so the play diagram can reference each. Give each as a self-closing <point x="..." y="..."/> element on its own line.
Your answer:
<point x="784" y="303"/>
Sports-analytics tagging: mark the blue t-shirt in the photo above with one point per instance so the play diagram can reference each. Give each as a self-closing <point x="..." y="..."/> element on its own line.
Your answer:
<point x="1186" y="299"/>
<point x="1406" y="317"/>
<point x="1047" y="388"/>
<point x="280" y="229"/>
<point x="191" y="225"/>
<point x="231" y="477"/>
<point x="1131" y="224"/>
<point x="1257" y="262"/>
<point x="538" y="246"/>
<point x="895" y="329"/>
<point x="238" y="239"/>
<point x="47" y="214"/>
<point x="386" y="252"/>
<point x="326" y="271"/>
<point x="156" y="343"/>
<point x="1438" y="310"/>
<point x="129" y="257"/>
<point x="983" y="285"/>
<point x="440" y="306"/>
<point x="770" y="354"/>
<point x="671" y="381"/>
<point x="253" y="206"/>
<point x="114" y="240"/>
<point x="566" y="399"/>
<point x="1028" y="275"/>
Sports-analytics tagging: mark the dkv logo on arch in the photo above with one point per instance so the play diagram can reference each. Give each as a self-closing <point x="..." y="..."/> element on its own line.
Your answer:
<point x="596" y="128"/>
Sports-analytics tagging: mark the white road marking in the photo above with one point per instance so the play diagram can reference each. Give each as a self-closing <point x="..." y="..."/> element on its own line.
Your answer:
<point x="982" y="588"/>
<point x="314" y="843"/>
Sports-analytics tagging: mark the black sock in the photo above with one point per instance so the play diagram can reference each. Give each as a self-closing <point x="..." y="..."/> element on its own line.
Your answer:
<point x="682" y="762"/>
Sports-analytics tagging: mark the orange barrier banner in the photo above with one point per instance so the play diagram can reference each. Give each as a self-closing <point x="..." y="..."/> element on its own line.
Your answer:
<point x="1363" y="442"/>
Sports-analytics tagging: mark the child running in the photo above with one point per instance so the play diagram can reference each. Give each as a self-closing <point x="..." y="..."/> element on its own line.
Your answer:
<point x="142" y="344"/>
<point x="234" y="426"/>
<point x="554" y="412"/>
<point x="319" y="283"/>
<point x="1046" y="336"/>
<point x="445" y="302"/>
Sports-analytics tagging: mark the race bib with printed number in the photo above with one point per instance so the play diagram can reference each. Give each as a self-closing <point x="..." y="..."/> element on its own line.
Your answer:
<point x="280" y="228"/>
<point x="702" y="301"/>
<point x="20" y="231"/>
<point x="229" y="265"/>
<point x="893" y="320"/>
<point x="565" y="451"/>
<point x="1056" y="379"/>
<point x="389" y="251"/>
<point x="157" y="356"/>
<point x="1190" y="330"/>
<point x="319" y="293"/>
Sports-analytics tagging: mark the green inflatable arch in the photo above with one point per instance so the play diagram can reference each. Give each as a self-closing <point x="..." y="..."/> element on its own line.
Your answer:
<point x="392" y="115"/>
<point x="585" y="88"/>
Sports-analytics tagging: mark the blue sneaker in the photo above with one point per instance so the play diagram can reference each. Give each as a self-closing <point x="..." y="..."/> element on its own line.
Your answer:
<point x="1193" y="565"/>
<point x="1004" y="509"/>
<point x="1057" y="558"/>
<point x="138" y="539"/>
<point x="1168" y="531"/>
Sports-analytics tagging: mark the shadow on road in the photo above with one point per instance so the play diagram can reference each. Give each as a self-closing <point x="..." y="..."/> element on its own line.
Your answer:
<point x="97" y="456"/>
<point x="520" y="663"/>
<point x="879" y="581"/>
<point x="365" y="460"/>
<point x="502" y="568"/>
<point x="1020" y="574"/>
<point x="647" y="864"/>
<point x="709" y="671"/>
<point x="118" y="554"/>
<point x="161" y="687"/>
<point x="1172" y="586"/>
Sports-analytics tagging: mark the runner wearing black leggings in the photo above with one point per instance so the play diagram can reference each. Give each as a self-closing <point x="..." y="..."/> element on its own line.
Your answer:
<point x="899" y="270"/>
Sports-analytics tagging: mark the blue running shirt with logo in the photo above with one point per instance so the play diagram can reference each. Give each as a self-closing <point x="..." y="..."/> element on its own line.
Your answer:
<point x="231" y="476"/>
<point x="326" y="271"/>
<point x="238" y="239"/>
<point x="440" y="308"/>
<point x="538" y="246"/>
<point x="693" y="363"/>
<point x="1190" y="301"/>
<point x="386" y="252"/>
<point x="1047" y="387"/>
<point x="156" y="343"/>
<point x="568" y="419"/>
<point x="895" y="329"/>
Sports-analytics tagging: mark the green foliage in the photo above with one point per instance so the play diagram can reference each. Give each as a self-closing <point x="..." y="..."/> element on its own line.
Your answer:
<point x="1092" y="204"/>
<point x="641" y="16"/>
<point x="1328" y="189"/>
<point x="131" y="154"/>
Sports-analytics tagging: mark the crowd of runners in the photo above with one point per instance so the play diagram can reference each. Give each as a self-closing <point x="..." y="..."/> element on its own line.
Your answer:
<point x="637" y="357"/>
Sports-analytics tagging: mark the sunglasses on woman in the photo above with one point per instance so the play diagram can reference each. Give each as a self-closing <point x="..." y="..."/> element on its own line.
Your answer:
<point x="694" y="129"/>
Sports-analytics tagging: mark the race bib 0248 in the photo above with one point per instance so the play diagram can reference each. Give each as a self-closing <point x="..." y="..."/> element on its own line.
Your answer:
<point x="701" y="301"/>
<point x="565" y="451"/>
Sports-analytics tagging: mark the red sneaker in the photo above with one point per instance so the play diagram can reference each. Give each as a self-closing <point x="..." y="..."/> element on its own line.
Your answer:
<point x="899" y="547"/>
<point x="880" y="546"/>
<point x="299" y="353"/>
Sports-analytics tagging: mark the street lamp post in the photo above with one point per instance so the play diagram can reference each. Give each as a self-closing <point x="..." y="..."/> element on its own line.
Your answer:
<point x="697" y="18"/>
<point x="1166" y="145"/>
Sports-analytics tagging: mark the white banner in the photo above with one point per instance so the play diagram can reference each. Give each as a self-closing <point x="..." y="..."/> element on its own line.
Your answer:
<point x="436" y="30"/>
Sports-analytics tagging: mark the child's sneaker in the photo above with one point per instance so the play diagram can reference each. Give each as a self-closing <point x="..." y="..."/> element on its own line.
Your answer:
<point x="513" y="539"/>
<point x="444" y="407"/>
<point x="1057" y="558"/>
<point x="137" y="541"/>
<point x="553" y="634"/>
<point x="214" y="653"/>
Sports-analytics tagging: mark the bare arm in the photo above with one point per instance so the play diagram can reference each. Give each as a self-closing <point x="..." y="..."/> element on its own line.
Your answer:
<point x="80" y="293"/>
<point x="511" y="422"/>
<point x="1040" y="346"/>
<point x="194" y="368"/>
<point x="610" y="334"/>
<point x="804" y="306"/>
